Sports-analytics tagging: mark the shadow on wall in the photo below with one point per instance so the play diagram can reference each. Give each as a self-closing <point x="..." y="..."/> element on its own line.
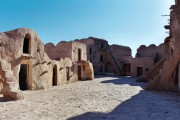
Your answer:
<point x="147" y="105"/>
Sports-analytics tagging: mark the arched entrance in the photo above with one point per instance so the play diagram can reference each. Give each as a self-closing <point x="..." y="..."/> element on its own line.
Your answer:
<point x="79" y="54"/>
<point x="26" y="44"/>
<point x="109" y="68"/>
<point x="126" y="69"/>
<point x="54" y="79"/>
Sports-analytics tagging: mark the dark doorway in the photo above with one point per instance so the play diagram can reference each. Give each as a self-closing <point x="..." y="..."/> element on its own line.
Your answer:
<point x="101" y="58"/>
<point x="26" y="44"/>
<point x="79" y="72"/>
<point x="139" y="71"/>
<point x="176" y="75"/>
<point x="90" y="51"/>
<point x="23" y="77"/>
<point x="109" y="68"/>
<point x="67" y="73"/>
<point x="102" y="69"/>
<point x="126" y="69"/>
<point x="79" y="54"/>
<point x="55" y="75"/>
<point x="102" y="45"/>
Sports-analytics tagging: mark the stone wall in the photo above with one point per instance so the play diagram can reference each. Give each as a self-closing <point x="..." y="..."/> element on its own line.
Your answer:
<point x="144" y="64"/>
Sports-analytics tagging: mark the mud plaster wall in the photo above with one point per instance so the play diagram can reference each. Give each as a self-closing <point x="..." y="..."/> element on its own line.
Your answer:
<point x="151" y="51"/>
<point x="145" y="62"/>
<point x="11" y="50"/>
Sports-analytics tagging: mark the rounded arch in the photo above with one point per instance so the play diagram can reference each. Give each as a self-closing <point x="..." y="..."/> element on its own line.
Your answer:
<point x="49" y="44"/>
<point x="152" y="46"/>
<point x="126" y="69"/>
<point x="27" y="43"/>
<point x="109" y="68"/>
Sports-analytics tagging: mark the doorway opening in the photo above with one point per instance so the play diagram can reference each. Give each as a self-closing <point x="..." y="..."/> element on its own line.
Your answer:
<point x="67" y="73"/>
<point x="139" y="71"/>
<point x="23" y="77"/>
<point x="79" y="72"/>
<point x="54" y="83"/>
<point x="176" y="75"/>
<point x="126" y="69"/>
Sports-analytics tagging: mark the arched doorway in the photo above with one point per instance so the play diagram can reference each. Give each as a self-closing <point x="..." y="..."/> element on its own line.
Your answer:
<point x="54" y="80"/>
<point x="79" y="54"/>
<point x="109" y="68"/>
<point x="26" y="44"/>
<point x="126" y="69"/>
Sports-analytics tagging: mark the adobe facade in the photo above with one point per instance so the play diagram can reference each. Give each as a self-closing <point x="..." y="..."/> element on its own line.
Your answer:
<point x="107" y="59"/>
<point x="146" y="58"/>
<point x="24" y="64"/>
<point x="168" y="77"/>
<point x="80" y="68"/>
<point x="27" y="64"/>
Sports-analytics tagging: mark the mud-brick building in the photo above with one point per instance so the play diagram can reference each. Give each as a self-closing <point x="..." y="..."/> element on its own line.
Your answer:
<point x="78" y="68"/>
<point x="168" y="77"/>
<point x="107" y="59"/>
<point x="146" y="58"/>
<point x="23" y="63"/>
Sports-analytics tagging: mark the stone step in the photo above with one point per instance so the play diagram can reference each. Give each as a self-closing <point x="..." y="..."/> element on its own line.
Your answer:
<point x="10" y="79"/>
<point x="5" y="65"/>
<point x="8" y="73"/>
<point x="12" y="85"/>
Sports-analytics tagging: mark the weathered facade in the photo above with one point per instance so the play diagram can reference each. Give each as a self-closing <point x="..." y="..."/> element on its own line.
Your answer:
<point x="146" y="58"/>
<point x="23" y="63"/>
<point x="168" y="77"/>
<point x="107" y="59"/>
<point x="80" y="68"/>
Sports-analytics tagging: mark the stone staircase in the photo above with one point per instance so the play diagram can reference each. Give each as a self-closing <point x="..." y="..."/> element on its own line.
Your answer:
<point x="10" y="87"/>
<point x="157" y="67"/>
<point x="163" y="80"/>
<point x="114" y="61"/>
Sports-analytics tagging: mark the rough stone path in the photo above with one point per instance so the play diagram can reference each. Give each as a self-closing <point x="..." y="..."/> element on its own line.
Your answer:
<point x="110" y="98"/>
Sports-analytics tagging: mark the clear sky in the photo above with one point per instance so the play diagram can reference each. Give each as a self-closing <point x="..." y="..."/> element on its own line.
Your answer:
<point x="124" y="22"/>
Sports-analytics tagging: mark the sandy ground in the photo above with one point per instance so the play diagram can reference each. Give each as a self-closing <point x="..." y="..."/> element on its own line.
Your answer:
<point x="110" y="98"/>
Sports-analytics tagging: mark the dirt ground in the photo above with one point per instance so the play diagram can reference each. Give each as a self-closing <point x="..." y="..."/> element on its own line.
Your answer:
<point x="110" y="98"/>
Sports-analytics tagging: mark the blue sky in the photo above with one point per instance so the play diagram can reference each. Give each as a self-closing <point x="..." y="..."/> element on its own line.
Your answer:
<point x="124" y="22"/>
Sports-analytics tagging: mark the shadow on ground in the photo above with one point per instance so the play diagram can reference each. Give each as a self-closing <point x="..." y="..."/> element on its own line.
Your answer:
<point x="2" y="99"/>
<point x="147" y="105"/>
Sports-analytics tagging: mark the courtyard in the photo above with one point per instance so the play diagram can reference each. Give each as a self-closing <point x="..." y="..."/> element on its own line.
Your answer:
<point x="106" y="97"/>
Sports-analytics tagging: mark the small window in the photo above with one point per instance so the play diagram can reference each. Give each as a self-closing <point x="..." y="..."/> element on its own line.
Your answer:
<point x="147" y="69"/>
<point x="26" y="44"/>
<point x="38" y="48"/>
<point x="101" y="58"/>
<point x="90" y="51"/>
<point x="102" y="45"/>
<point x="83" y="68"/>
<point x="79" y="54"/>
